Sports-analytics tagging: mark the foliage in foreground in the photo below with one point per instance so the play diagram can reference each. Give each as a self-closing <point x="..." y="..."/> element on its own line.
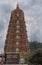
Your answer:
<point x="34" y="57"/>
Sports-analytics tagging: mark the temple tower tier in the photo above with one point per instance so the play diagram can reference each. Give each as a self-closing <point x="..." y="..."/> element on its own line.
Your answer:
<point x="16" y="44"/>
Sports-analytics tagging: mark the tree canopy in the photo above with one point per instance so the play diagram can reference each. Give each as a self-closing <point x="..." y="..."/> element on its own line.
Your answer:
<point x="34" y="45"/>
<point x="34" y="57"/>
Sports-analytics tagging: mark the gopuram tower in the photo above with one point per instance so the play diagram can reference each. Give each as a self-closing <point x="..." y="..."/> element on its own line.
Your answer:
<point x="16" y="44"/>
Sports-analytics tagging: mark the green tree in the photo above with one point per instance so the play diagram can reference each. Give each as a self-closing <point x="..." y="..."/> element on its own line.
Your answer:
<point x="34" y="57"/>
<point x="35" y="45"/>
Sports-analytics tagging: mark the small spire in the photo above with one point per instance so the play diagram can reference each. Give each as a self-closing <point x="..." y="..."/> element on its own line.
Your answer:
<point x="17" y="5"/>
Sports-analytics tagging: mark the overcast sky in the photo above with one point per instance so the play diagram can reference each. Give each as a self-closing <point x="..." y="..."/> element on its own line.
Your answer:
<point x="33" y="18"/>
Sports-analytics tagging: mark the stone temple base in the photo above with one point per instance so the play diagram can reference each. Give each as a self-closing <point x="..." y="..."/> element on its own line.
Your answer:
<point x="11" y="58"/>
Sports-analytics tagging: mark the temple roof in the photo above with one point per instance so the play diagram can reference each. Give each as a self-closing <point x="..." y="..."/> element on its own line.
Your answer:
<point x="2" y="55"/>
<point x="18" y="9"/>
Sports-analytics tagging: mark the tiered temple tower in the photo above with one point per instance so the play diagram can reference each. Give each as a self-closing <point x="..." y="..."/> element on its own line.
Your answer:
<point x="16" y="45"/>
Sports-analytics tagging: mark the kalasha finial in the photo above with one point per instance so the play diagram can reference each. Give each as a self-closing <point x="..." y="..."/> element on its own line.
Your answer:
<point x="17" y="5"/>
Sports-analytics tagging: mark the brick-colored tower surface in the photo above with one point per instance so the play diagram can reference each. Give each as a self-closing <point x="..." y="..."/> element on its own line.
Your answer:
<point x="16" y="39"/>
